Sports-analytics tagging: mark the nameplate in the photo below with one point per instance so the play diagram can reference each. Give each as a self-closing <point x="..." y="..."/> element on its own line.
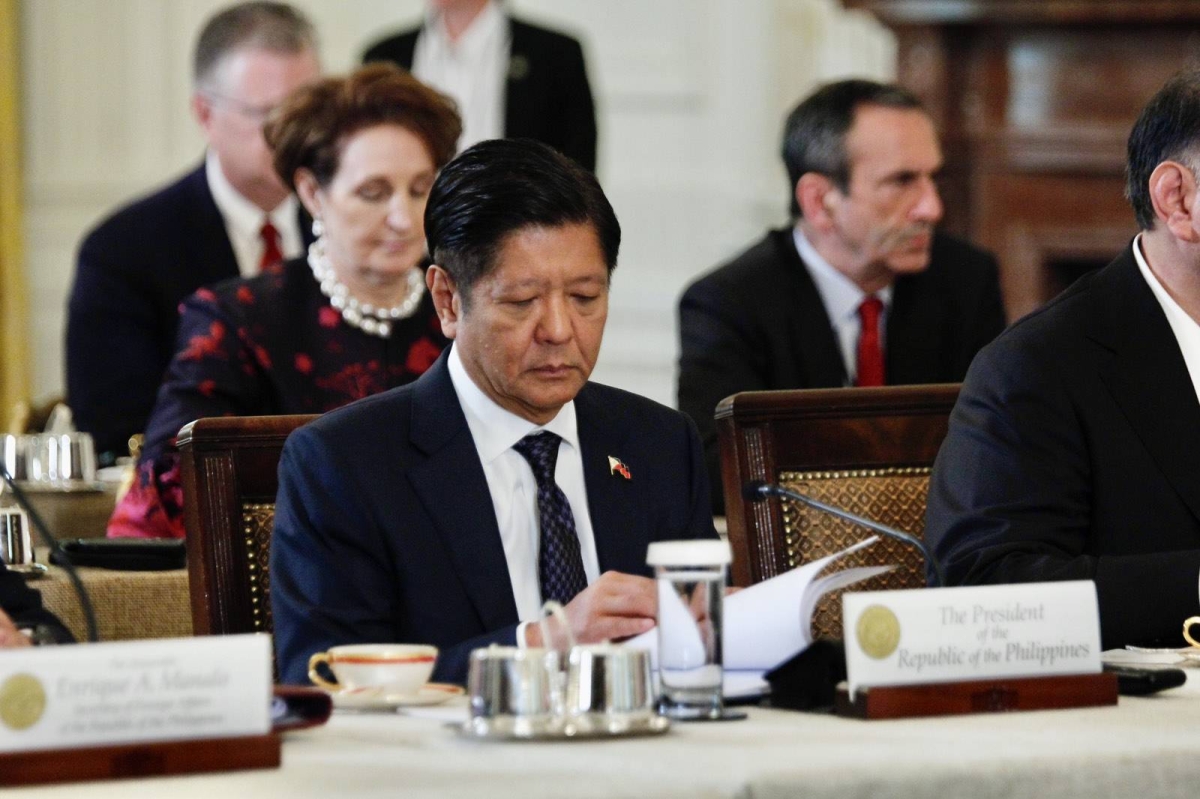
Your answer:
<point x="132" y="692"/>
<point x="974" y="633"/>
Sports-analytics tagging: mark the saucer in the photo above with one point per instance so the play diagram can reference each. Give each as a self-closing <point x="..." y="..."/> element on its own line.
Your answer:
<point x="560" y="728"/>
<point x="432" y="693"/>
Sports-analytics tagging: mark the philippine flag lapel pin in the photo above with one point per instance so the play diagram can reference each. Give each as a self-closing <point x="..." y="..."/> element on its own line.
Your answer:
<point x="616" y="467"/>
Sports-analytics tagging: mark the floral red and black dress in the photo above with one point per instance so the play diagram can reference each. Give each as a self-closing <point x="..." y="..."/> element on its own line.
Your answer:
<point x="260" y="346"/>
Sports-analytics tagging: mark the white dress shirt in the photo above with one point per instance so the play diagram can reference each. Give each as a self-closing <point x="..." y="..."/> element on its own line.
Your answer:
<point x="841" y="298"/>
<point x="513" y="488"/>
<point x="1185" y="328"/>
<point x="244" y="220"/>
<point x="472" y="70"/>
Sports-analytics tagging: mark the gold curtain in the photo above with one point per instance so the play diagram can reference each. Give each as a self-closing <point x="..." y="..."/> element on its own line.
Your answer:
<point x="14" y="323"/>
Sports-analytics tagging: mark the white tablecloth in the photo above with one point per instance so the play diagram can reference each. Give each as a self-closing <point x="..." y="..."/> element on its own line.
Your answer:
<point x="1147" y="747"/>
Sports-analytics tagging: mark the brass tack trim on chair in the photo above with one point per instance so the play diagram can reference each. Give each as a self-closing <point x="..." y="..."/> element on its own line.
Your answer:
<point x="257" y="521"/>
<point x="897" y="471"/>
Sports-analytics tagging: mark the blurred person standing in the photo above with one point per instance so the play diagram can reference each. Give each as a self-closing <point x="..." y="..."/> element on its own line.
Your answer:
<point x="312" y="334"/>
<point x="510" y="78"/>
<point x="860" y="290"/>
<point x="229" y="216"/>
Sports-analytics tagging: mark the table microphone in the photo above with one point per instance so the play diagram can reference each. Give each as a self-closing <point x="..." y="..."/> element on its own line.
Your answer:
<point x="758" y="490"/>
<point x="49" y="540"/>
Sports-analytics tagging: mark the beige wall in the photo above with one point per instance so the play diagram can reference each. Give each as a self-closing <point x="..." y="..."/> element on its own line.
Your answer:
<point x="690" y="94"/>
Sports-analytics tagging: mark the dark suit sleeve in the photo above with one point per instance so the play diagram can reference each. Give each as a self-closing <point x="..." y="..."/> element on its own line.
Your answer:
<point x="24" y="606"/>
<point x="1010" y="500"/>
<point x="700" y="524"/>
<point x="114" y="348"/>
<point x="721" y="353"/>
<point x="331" y="582"/>
<point x="987" y="314"/>
<point x="571" y="100"/>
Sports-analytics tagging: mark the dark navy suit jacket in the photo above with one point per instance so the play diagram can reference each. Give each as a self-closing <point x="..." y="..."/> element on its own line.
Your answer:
<point x="758" y="323"/>
<point x="385" y="529"/>
<point x="1074" y="454"/>
<point x="546" y="96"/>
<point x="133" y="270"/>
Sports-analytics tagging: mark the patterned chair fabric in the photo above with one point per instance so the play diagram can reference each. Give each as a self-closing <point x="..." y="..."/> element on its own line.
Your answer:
<point x="894" y="496"/>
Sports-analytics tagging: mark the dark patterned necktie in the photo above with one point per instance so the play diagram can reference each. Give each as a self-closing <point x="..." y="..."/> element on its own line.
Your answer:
<point x="870" y="348"/>
<point x="560" y="564"/>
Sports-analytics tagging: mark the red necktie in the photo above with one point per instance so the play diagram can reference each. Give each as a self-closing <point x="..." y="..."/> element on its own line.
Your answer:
<point x="870" y="350"/>
<point x="272" y="253"/>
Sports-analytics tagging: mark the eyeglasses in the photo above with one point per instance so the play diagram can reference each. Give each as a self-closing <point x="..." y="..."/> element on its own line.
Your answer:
<point x="255" y="113"/>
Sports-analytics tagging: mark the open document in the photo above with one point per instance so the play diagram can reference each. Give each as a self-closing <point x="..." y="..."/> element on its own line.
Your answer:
<point x="767" y="623"/>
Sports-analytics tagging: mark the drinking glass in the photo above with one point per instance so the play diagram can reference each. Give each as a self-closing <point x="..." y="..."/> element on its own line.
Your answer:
<point x="691" y="591"/>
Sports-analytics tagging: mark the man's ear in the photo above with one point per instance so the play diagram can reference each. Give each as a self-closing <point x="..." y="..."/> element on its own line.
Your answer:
<point x="816" y="196"/>
<point x="202" y="110"/>
<point x="306" y="190"/>
<point x="1173" y="194"/>
<point x="446" y="299"/>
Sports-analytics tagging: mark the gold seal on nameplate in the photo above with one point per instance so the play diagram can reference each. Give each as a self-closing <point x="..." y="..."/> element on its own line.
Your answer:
<point x="22" y="701"/>
<point x="878" y="632"/>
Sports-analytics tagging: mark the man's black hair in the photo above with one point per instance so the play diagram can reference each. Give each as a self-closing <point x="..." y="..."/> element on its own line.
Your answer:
<point x="814" y="136"/>
<point x="1168" y="129"/>
<point x="499" y="187"/>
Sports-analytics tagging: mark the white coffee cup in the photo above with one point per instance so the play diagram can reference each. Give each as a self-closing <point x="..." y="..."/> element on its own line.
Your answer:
<point x="393" y="668"/>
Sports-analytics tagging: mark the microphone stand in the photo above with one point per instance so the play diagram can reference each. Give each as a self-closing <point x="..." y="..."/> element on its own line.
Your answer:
<point x="49" y="540"/>
<point x="758" y="490"/>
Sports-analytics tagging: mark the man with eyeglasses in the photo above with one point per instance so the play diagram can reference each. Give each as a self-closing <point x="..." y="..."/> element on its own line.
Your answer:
<point x="230" y="216"/>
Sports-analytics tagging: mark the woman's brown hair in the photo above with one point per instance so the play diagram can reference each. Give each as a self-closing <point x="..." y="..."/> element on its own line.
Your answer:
<point x="311" y="126"/>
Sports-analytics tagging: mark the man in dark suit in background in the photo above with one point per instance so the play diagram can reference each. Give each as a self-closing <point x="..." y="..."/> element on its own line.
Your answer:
<point x="510" y="79"/>
<point x="446" y="511"/>
<point x="1074" y="449"/>
<point x="229" y="216"/>
<point x="860" y="290"/>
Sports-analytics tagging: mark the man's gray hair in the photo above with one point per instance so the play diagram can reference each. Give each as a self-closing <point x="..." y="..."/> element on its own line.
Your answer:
<point x="264" y="25"/>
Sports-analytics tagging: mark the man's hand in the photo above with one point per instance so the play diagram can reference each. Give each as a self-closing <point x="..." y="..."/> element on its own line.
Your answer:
<point x="615" y="606"/>
<point x="10" y="636"/>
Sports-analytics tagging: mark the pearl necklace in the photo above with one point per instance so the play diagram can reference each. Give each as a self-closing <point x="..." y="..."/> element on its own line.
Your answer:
<point x="364" y="316"/>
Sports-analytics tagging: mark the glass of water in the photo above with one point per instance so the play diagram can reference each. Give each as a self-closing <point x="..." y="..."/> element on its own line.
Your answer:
<point x="691" y="592"/>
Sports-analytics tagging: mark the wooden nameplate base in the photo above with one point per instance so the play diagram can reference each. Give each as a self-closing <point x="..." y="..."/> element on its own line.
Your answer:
<point x="978" y="696"/>
<point x="139" y="760"/>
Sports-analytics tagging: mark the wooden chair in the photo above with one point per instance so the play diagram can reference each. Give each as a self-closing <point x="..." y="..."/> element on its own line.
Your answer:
<point x="229" y="470"/>
<point x="868" y="450"/>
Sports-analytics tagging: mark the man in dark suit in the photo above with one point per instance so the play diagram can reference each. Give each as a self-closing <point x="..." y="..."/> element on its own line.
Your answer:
<point x="860" y="290"/>
<point x="446" y="511"/>
<point x="229" y="216"/>
<point x="1074" y="449"/>
<point x="21" y="610"/>
<point x="509" y="78"/>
